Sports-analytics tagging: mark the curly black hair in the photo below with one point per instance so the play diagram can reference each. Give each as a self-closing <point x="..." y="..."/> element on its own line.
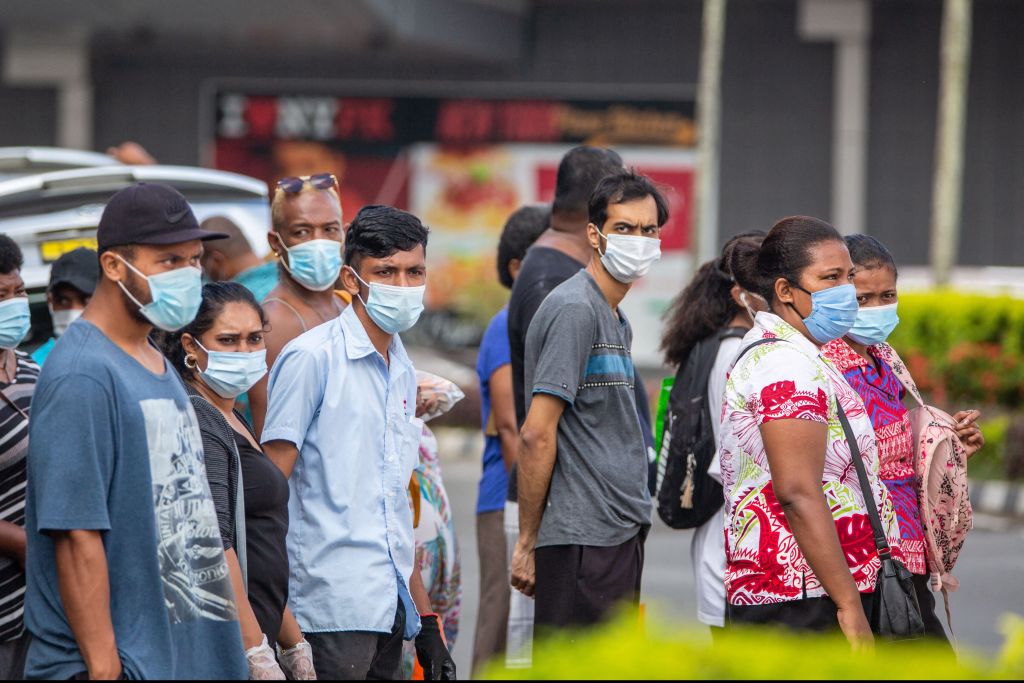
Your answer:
<point x="706" y="305"/>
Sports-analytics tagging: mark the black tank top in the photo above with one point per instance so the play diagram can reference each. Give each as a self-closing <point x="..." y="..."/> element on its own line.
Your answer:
<point x="266" y="529"/>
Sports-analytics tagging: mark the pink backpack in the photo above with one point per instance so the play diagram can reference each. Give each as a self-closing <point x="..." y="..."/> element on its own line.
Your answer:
<point x="941" y="464"/>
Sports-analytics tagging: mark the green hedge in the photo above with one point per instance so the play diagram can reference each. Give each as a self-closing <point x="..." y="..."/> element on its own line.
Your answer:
<point x="963" y="348"/>
<point x="624" y="650"/>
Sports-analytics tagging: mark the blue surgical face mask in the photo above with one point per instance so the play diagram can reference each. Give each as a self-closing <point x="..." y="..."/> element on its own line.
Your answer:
<point x="394" y="309"/>
<point x="230" y="373"/>
<point x="14" y="321"/>
<point x="874" y="325"/>
<point x="315" y="264"/>
<point x="833" y="312"/>
<point x="176" y="296"/>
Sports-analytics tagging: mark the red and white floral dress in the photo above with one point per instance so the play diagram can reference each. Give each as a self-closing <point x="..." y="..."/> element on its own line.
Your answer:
<point x="785" y="380"/>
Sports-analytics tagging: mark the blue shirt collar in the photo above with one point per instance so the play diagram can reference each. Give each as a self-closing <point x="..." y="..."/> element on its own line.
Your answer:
<point x="358" y="344"/>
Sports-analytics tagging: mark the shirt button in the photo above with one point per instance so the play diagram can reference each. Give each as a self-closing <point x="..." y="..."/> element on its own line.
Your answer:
<point x="391" y="458"/>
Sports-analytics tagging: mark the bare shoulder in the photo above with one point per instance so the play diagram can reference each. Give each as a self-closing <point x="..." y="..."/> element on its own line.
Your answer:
<point x="283" y="326"/>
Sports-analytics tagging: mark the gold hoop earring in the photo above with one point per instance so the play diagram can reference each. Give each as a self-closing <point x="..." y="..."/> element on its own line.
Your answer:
<point x="190" y="361"/>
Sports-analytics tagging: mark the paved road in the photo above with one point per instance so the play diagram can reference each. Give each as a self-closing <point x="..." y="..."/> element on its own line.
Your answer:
<point x="991" y="569"/>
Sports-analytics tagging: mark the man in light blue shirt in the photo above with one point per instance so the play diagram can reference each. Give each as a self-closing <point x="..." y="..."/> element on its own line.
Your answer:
<point x="341" y="425"/>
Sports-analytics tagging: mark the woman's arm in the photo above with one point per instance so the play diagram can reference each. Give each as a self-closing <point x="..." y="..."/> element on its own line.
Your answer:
<point x="252" y="635"/>
<point x="503" y="410"/>
<point x="290" y="634"/>
<point x="796" y="457"/>
<point x="968" y="430"/>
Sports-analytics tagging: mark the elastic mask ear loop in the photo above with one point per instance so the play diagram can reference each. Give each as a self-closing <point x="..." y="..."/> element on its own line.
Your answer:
<point x="195" y="340"/>
<point x="599" y="252"/>
<point x="125" y="289"/>
<point x="358" y="295"/>
<point x="283" y="258"/>
<point x="793" y="306"/>
<point x="750" y="310"/>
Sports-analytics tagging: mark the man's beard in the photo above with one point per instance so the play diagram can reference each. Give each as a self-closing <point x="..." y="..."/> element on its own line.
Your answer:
<point x="139" y="292"/>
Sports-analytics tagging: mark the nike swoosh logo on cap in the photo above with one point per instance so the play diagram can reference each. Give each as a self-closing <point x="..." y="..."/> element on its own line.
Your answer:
<point x="175" y="213"/>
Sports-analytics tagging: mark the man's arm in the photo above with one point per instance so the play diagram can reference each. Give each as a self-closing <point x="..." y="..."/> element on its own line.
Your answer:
<point x="283" y="454"/>
<point x="537" y="452"/>
<point x="503" y="411"/>
<point x="84" y="587"/>
<point x="419" y="593"/>
<point x="297" y="384"/>
<point x="12" y="542"/>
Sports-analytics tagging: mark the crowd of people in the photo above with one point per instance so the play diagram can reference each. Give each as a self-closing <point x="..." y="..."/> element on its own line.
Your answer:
<point x="233" y="478"/>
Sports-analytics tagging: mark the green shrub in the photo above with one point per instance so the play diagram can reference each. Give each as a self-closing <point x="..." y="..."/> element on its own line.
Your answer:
<point x="624" y="650"/>
<point x="963" y="348"/>
<point x="990" y="461"/>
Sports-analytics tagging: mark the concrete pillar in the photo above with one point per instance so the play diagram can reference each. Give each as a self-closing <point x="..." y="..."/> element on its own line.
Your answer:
<point x="848" y="23"/>
<point x="704" y="211"/>
<point x="57" y="58"/>
<point x="947" y="183"/>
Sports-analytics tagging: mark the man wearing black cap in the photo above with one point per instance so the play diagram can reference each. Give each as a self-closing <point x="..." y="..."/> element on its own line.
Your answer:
<point x="72" y="281"/>
<point x="126" y="570"/>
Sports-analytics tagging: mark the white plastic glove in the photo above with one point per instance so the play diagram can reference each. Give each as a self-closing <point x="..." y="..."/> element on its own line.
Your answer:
<point x="297" y="662"/>
<point x="262" y="664"/>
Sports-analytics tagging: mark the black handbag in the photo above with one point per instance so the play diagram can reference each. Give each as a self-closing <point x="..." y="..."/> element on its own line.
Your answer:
<point x="895" y="612"/>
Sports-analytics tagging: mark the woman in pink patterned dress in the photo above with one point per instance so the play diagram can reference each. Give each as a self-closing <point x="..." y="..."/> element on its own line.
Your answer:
<point x="799" y="545"/>
<point x="866" y="362"/>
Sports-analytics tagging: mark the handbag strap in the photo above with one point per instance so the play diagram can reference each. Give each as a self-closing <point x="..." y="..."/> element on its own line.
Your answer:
<point x="881" y="543"/>
<point x="12" y="404"/>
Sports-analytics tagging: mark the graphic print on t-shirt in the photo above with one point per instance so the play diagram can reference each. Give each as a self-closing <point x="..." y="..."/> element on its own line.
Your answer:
<point x="195" y="574"/>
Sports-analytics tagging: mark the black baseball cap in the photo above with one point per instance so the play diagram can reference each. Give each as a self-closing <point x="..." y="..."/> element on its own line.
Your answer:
<point x="78" y="268"/>
<point x="149" y="213"/>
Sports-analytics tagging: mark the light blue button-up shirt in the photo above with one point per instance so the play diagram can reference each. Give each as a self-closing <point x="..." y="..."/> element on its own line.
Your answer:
<point x="350" y="533"/>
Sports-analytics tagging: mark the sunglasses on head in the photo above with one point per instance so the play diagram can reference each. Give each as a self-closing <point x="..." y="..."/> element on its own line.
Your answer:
<point x="319" y="181"/>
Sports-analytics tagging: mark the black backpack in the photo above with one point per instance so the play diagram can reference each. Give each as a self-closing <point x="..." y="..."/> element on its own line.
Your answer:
<point x="687" y="496"/>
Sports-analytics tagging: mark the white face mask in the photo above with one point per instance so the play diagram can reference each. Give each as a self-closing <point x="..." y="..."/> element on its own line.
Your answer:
<point x="628" y="258"/>
<point x="63" y="319"/>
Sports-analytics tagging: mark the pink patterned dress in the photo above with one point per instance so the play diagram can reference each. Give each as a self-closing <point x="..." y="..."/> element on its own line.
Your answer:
<point x="787" y="380"/>
<point x="882" y="393"/>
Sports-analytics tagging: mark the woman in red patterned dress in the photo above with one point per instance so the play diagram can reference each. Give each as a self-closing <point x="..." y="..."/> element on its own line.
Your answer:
<point x="861" y="357"/>
<point x="799" y="546"/>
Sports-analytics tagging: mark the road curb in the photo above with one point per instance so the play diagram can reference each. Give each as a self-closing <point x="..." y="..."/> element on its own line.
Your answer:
<point x="998" y="498"/>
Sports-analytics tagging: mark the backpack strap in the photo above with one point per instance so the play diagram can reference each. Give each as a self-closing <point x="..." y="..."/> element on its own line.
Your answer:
<point x="899" y="368"/>
<point x="732" y="333"/>
<point x="759" y="342"/>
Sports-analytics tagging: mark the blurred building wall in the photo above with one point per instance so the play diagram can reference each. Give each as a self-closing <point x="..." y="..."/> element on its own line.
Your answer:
<point x="777" y="101"/>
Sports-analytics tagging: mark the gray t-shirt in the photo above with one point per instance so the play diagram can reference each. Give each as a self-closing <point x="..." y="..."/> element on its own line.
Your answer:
<point x="578" y="350"/>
